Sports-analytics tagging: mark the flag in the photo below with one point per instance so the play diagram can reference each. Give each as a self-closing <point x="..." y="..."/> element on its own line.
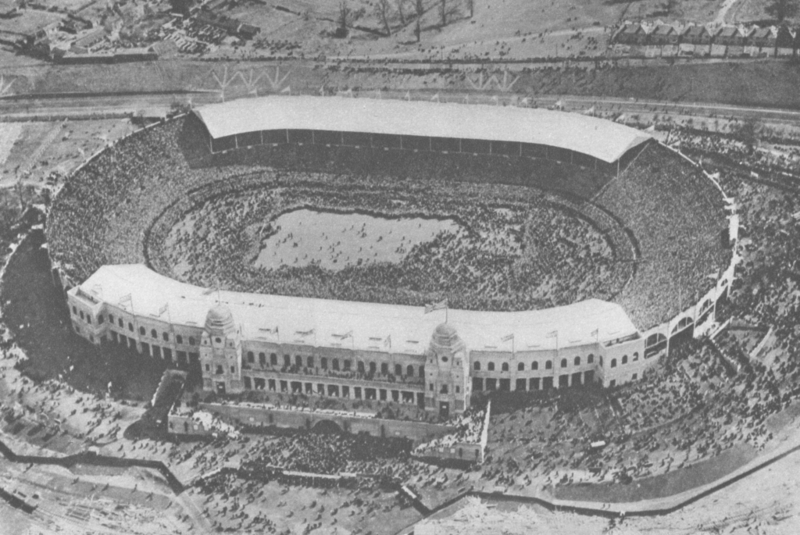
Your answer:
<point x="348" y="334"/>
<point x="124" y="298"/>
<point x="388" y="341"/>
<point x="552" y="334"/>
<point x="163" y="309"/>
<point x="306" y="333"/>
<point x="507" y="337"/>
<point x="435" y="306"/>
<point x="596" y="332"/>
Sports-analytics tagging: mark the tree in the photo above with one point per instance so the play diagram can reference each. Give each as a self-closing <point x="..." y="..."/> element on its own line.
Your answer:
<point x="471" y="7"/>
<point x="400" y="12"/>
<point x="420" y="9"/>
<point x="782" y="9"/>
<point x="382" y="10"/>
<point x="344" y="13"/>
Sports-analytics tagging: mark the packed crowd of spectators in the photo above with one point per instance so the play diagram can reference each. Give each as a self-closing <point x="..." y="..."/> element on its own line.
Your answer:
<point x="678" y="216"/>
<point x="519" y="258"/>
<point x="507" y="255"/>
<point x="468" y="431"/>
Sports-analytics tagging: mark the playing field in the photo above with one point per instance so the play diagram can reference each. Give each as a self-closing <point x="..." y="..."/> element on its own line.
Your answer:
<point x="337" y="240"/>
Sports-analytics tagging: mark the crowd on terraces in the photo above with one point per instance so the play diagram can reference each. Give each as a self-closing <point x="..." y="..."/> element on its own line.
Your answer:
<point x="678" y="217"/>
<point x="505" y="256"/>
<point x="518" y="258"/>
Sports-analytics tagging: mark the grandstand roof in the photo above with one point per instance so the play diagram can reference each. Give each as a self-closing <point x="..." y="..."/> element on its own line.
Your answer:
<point x="599" y="138"/>
<point x="351" y="324"/>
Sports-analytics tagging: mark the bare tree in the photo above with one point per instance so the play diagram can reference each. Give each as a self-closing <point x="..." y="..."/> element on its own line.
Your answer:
<point x="400" y="12"/>
<point x="344" y="13"/>
<point x="443" y="11"/>
<point x="420" y="9"/>
<point x="471" y="7"/>
<point x="782" y="9"/>
<point x="382" y="10"/>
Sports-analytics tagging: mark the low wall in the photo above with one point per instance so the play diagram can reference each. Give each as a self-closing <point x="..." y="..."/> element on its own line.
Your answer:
<point x="415" y="431"/>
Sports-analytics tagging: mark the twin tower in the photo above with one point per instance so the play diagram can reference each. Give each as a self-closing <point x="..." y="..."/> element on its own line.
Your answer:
<point x="441" y="386"/>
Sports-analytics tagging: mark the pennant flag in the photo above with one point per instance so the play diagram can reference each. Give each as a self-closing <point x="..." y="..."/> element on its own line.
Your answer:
<point x="507" y="337"/>
<point x="552" y="334"/>
<point x="435" y="306"/>
<point x="305" y="333"/>
<point x="596" y="332"/>
<point x="124" y="298"/>
<point x="348" y="334"/>
<point x="388" y="341"/>
<point x="163" y="309"/>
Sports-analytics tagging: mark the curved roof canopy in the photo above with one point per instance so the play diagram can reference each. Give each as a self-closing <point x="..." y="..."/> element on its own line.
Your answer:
<point x="599" y="138"/>
<point x="353" y="324"/>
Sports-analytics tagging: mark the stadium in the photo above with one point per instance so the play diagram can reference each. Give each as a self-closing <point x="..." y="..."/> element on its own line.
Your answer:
<point x="559" y="249"/>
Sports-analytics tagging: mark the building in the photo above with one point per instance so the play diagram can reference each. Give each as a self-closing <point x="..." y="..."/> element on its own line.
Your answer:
<point x="352" y="349"/>
<point x="422" y="127"/>
<point x="383" y="352"/>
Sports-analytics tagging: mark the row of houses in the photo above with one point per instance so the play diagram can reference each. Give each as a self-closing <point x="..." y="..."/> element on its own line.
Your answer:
<point x="659" y="33"/>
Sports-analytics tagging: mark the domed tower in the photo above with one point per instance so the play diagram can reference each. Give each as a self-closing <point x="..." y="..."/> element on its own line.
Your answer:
<point x="447" y="373"/>
<point x="221" y="352"/>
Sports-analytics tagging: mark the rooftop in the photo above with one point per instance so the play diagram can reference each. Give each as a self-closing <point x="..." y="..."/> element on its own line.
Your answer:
<point x="599" y="138"/>
<point x="350" y="324"/>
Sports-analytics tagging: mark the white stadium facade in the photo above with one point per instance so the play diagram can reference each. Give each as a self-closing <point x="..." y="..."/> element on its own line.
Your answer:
<point x="387" y="352"/>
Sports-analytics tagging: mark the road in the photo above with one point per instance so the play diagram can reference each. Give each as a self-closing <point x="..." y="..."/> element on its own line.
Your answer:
<point x="32" y="107"/>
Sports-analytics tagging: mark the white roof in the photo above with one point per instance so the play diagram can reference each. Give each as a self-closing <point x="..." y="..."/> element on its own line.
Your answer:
<point x="602" y="139"/>
<point x="326" y="323"/>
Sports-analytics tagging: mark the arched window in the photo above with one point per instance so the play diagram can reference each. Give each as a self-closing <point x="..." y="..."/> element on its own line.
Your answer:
<point x="262" y="358"/>
<point x="120" y="322"/>
<point x="577" y="361"/>
<point x="422" y="371"/>
<point x="635" y="356"/>
<point x="398" y="370"/>
<point x="310" y="361"/>
<point x="385" y="368"/>
<point x="130" y="327"/>
<point x="563" y="363"/>
<point x="142" y="331"/>
<point x="548" y="365"/>
<point x="179" y="338"/>
<point x="273" y="359"/>
<point x="477" y="366"/>
<point x="373" y="368"/>
<point x="601" y="360"/>
<point x="360" y="367"/>
<point x="153" y="333"/>
<point x="624" y="359"/>
<point x="82" y="314"/>
<point x="504" y="366"/>
<point x="250" y="357"/>
<point x="490" y="367"/>
<point x="298" y="361"/>
<point x="590" y="358"/>
<point x="613" y="363"/>
<point x="335" y="363"/>
<point x="191" y="341"/>
<point x="535" y="365"/>
<point x="323" y="363"/>
<point x="409" y="369"/>
<point x="287" y="360"/>
<point x="521" y="366"/>
<point x="165" y="336"/>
